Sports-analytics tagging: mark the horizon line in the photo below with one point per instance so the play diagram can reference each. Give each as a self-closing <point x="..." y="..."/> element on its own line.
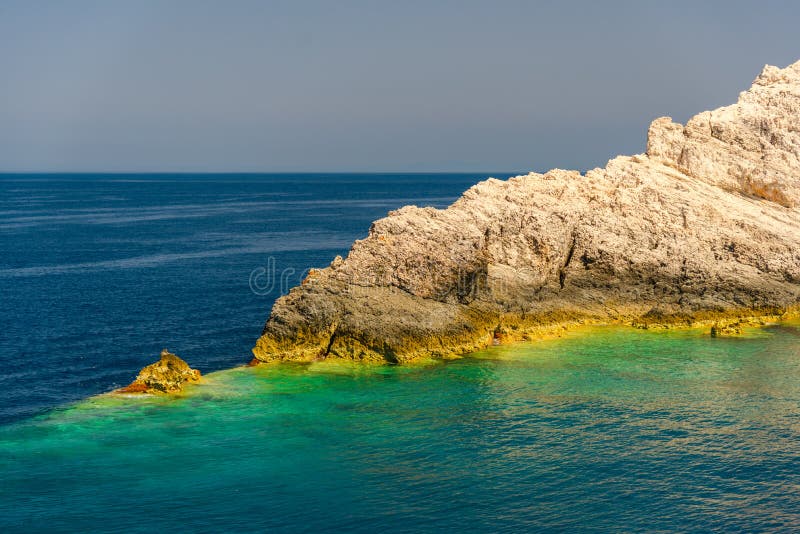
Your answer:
<point x="211" y="173"/>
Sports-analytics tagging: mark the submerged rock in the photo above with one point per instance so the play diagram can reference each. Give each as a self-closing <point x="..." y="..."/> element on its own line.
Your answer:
<point x="167" y="375"/>
<point x="724" y="330"/>
<point x="704" y="226"/>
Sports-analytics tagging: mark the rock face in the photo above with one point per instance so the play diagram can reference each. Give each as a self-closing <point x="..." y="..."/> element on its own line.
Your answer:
<point x="167" y="375"/>
<point x="705" y="226"/>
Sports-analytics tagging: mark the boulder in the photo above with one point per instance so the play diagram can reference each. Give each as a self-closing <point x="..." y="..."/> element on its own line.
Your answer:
<point x="168" y="375"/>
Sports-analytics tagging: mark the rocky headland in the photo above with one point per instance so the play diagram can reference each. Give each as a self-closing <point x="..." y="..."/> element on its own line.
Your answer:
<point x="168" y="375"/>
<point x="704" y="228"/>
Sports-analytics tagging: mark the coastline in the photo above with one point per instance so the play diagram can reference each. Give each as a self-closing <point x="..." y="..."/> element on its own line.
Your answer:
<point x="513" y="335"/>
<point x="219" y="383"/>
<point x="516" y="330"/>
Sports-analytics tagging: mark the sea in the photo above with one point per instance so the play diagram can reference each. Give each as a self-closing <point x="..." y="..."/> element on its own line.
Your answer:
<point x="605" y="429"/>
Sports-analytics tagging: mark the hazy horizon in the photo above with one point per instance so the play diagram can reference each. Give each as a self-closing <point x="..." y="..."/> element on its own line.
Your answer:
<point x="317" y="87"/>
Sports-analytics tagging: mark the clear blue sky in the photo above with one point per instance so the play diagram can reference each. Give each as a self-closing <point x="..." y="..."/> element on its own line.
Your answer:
<point x="366" y="86"/>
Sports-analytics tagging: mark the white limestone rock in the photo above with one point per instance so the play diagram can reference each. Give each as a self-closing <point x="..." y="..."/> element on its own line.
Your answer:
<point x="705" y="224"/>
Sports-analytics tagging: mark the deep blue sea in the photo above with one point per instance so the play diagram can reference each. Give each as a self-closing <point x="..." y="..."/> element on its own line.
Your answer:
<point x="99" y="273"/>
<point x="607" y="429"/>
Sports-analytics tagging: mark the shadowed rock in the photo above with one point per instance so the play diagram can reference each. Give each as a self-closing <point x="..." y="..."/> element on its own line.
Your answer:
<point x="167" y="375"/>
<point x="703" y="227"/>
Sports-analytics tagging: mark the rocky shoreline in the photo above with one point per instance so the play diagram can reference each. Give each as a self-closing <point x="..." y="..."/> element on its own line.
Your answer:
<point x="704" y="228"/>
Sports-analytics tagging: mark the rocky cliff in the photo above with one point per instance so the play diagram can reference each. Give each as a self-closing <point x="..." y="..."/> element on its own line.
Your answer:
<point x="702" y="227"/>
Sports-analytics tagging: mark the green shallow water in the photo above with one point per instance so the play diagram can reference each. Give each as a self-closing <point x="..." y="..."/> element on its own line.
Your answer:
<point x="613" y="430"/>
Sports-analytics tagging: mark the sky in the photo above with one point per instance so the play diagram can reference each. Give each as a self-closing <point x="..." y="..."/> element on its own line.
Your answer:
<point x="366" y="86"/>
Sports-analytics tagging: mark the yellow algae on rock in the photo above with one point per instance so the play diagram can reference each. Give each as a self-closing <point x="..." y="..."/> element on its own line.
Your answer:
<point x="168" y="375"/>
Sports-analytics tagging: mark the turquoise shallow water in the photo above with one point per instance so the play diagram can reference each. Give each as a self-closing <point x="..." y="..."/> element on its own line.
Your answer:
<point x="616" y="429"/>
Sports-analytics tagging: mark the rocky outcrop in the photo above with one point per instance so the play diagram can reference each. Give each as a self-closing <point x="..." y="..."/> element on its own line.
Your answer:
<point x="168" y="375"/>
<point x="704" y="226"/>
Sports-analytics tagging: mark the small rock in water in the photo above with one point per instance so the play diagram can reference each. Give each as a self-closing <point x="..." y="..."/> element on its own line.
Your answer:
<point x="732" y="329"/>
<point x="168" y="375"/>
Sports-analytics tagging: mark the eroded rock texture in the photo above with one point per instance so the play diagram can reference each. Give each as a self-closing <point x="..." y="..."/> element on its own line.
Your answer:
<point x="704" y="225"/>
<point x="168" y="375"/>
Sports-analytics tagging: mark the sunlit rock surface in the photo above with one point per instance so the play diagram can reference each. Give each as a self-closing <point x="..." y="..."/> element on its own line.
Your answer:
<point x="168" y="375"/>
